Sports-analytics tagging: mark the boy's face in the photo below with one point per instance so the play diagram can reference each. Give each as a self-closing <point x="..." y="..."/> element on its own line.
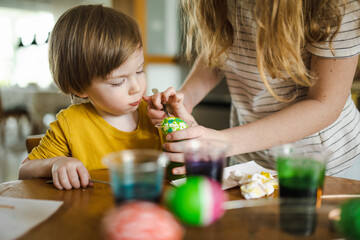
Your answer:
<point x="122" y="91"/>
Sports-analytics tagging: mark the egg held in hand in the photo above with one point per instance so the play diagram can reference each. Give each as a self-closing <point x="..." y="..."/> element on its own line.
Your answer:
<point x="140" y="220"/>
<point x="168" y="125"/>
<point x="172" y="124"/>
<point x="198" y="202"/>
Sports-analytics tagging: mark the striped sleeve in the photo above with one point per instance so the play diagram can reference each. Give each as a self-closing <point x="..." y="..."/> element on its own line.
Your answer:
<point x="347" y="42"/>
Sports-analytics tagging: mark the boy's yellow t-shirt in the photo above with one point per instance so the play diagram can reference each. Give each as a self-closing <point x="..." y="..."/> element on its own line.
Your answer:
<point x="80" y="132"/>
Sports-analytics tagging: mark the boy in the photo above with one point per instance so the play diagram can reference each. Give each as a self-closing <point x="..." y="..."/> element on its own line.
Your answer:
<point x="95" y="52"/>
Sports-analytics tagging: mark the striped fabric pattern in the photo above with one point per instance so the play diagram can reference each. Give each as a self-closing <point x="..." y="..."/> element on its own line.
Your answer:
<point x="251" y="100"/>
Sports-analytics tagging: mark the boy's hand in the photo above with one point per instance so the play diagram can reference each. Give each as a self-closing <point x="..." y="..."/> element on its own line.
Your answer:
<point x="173" y="100"/>
<point x="68" y="172"/>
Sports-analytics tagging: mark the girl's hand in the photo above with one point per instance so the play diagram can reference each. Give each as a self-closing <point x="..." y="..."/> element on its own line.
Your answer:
<point x="174" y="102"/>
<point x="68" y="172"/>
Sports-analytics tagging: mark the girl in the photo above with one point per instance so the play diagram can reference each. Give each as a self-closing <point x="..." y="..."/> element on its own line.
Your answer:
<point x="289" y="66"/>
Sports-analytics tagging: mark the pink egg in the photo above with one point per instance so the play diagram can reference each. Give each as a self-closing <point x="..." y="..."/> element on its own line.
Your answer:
<point x="141" y="221"/>
<point x="198" y="202"/>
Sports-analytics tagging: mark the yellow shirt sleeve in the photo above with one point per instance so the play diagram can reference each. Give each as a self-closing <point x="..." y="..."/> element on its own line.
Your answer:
<point x="55" y="141"/>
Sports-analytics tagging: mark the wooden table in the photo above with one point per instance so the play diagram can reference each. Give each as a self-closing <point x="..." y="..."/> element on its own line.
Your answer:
<point x="83" y="209"/>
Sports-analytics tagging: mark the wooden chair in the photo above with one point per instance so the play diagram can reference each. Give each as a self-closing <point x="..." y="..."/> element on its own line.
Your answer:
<point x="5" y="114"/>
<point x="33" y="141"/>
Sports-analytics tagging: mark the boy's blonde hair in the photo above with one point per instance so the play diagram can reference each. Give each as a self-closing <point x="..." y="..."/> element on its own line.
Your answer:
<point x="88" y="42"/>
<point x="283" y="29"/>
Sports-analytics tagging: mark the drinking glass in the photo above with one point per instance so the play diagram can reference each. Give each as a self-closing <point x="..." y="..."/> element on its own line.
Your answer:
<point x="136" y="174"/>
<point x="205" y="157"/>
<point x="301" y="175"/>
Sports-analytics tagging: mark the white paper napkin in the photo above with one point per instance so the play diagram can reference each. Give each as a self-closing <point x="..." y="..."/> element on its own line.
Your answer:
<point x="244" y="168"/>
<point x="18" y="215"/>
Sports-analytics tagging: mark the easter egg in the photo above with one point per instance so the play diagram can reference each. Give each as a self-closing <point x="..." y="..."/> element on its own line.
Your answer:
<point x="172" y="124"/>
<point x="198" y="202"/>
<point x="141" y="220"/>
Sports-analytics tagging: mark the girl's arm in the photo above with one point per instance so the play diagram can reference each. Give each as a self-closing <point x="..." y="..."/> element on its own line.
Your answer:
<point x="323" y="105"/>
<point x="200" y="81"/>
<point x="67" y="172"/>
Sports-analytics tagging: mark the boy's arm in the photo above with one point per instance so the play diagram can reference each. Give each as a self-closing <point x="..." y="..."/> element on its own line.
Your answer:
<point x="36" y="168"/>
<point x="50" y="159"/>
<point x="66" y="172"/>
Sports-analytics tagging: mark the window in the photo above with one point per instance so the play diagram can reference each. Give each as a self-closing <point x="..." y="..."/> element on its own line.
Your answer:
<point x="24" y="49"/>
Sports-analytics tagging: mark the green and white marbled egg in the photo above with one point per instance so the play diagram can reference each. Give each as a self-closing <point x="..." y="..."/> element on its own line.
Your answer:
<point x="172" y="124"/>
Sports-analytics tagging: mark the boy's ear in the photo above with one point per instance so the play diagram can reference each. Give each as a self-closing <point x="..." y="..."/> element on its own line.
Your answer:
<point x="81" y="95"/>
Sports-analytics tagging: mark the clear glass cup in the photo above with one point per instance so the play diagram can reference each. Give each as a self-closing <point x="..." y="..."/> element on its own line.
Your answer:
<point x="205" y="157"/>
<point x="301" y="175"/>
<point x="301" y="172"/>
<point x="136" y="174"/>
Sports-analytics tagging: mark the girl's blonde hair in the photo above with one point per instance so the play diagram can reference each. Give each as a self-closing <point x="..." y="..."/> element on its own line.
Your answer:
<point x="209" y="32"/>
<point x="87" y="43"/>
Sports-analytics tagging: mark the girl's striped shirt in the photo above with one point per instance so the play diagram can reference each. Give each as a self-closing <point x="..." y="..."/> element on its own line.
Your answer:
<point x="251" y="100"/>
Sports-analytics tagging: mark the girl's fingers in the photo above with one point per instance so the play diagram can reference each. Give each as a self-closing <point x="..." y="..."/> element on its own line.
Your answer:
<point x="167" y="94"/>
<point x="156" y="121"/>
<point x="176" y="99"/>
<point x="185" y="134"/>
<point x="174" y="147"/>
<point x="179" y="171"/>
<point x="182" y="112"/>
<point x="175" y="157"/>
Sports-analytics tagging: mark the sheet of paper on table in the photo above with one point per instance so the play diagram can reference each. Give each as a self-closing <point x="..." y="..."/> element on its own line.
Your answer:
<point x="244" y="168"/>
<point x="18" y="215"/>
